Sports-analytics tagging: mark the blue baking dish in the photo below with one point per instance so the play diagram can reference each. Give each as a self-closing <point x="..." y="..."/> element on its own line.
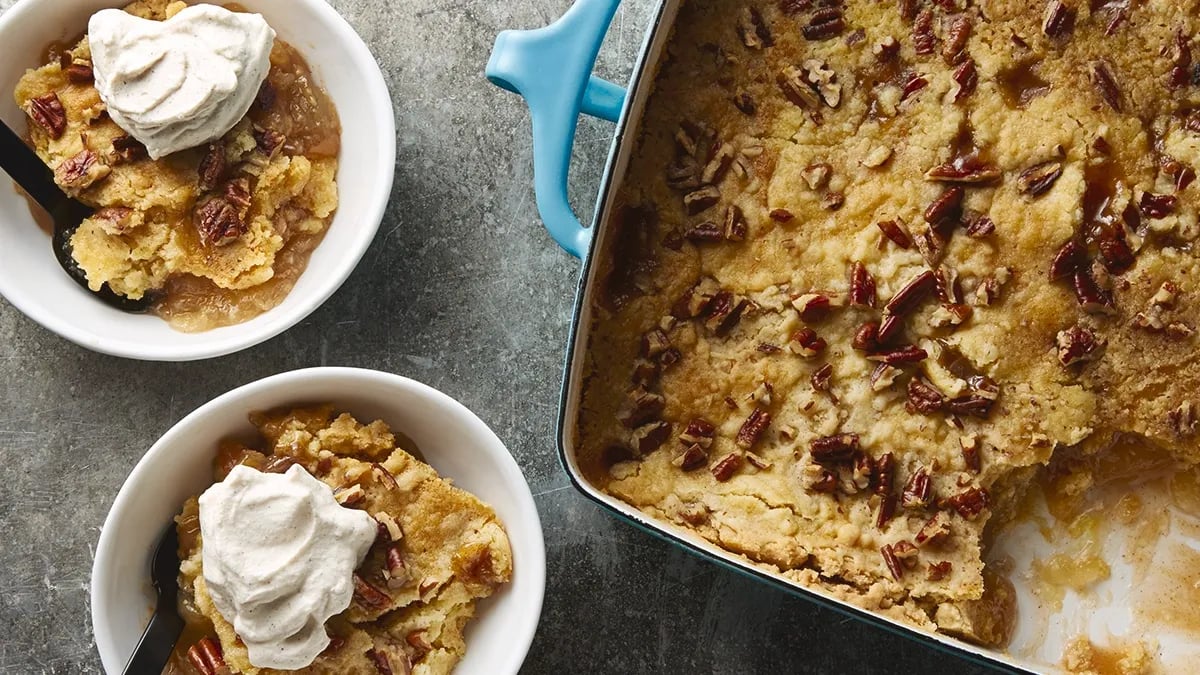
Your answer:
<point x="551" y="67"/>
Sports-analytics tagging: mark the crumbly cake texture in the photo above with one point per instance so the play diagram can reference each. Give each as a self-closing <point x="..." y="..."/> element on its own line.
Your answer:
<point x="150" y="224"/>
<point x="453" y="551"/>
<point x="810" y="170"/>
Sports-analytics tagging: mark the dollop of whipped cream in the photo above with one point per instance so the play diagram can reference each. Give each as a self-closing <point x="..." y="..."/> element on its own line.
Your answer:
<point x="183" y="82"/>
<point x="279" y="554"/>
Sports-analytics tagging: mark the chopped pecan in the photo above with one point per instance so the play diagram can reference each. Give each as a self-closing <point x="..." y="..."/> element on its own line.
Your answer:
<point x="718" y="166"/>
<point x="974" y="405"/>
<point x="819" y="479"/>
<point x="1070" y="259"/>
<point x="646" y="372"/>
<point x="824" y="24"/>
<point x="735" y="223"/>
<point x="268" y="141"/>
<point x="970" y="503"/>
<point x="369" y="597"/>
<point x="693" y="457"/>
<point x="219" y="221"/>
<point x="796" y="89"/>
<point x="80" y="73"/>
<point x="47" y="111"/>
<point x="212" y="167"/>
<point x="821" y="379"/>
<point x="889" y="557"/>
<point x="1184" y="420"/>
<point x="724" y="313"/>
<point x="753" y="428"/>
<point x="81" y="171"/>
<point x="972" y="452"/>
<point x="725" y="467"/>
<point x="753" y="29"/>
<point x="698" y="432"/>
<point x="126" y="148"/>
<point x="805" y="342"/>
<point x="389" y="529"/>
<point x="901" y="355"/>
<point x="832" y="201"/>
<point x="896" y="232"/>
<point x="1039" y="178"/>
<point x="813" y="306"/>
<point x="981" y="227"/>
<point x="641" y="407"/>
<point x="884" y="376"/>
<point x="862" y="286"/>
<point x="1115" y="252"/>
<point x="1181" y="68"/>
<point x="906" y="553"/>
<point x="954" y="49"/>
<point x="701" y="200"/>
<point x="781" y="215"/>
<point x="923" y="397"/>
<point x="970" y="170"/>
<point x="913" y="83"/>
<point x="1181" y="174"/>
<point x="939" y="570"/>
<point x="834" y="449"/>
<point x="887" y="510"/>
<point x="866" y="339"/>
<point x="908" y="298"/>
<point x="745" y="102"/>
<point x="655" y="342"/>
<point x="1078" y="344"/>
<point x="884" y="474"/>
<point x="1106" y="85"/>
<point x="924" y="39"/>
<point x="824" y="80"/>
<point x="946" y="211"/>
<point x="1093" y="298"/>
<point x="966" y="79"/>
<point x="350" y="496"/>
<point x="704" y="232"/>
<point x="416" y="640"/>
<point x="817" y="175"/>
<point x="650" y="437"/>
<point x="395" y="572"/>
<point x="918" y="492"/>
<point x="1157" y="206"/>
<point x="890" y="328"/>
<point x="1058" y="21"/>
<point x="206" y="657"/>
<point x="886" y="49"/>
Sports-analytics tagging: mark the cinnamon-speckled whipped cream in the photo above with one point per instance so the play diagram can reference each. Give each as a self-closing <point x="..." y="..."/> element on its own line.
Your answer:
<point x="279" y="554"/>
<point x="182" y="82"/>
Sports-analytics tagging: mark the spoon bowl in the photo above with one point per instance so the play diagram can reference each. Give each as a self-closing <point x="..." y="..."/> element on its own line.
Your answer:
<point x="24" y="166"/>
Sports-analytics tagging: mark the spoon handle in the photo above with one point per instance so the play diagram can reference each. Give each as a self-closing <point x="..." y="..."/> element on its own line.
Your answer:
<point x="31" y="173"/>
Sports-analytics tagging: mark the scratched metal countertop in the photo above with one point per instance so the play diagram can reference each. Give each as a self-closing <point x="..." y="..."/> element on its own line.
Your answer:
<point x="462" y="289"/>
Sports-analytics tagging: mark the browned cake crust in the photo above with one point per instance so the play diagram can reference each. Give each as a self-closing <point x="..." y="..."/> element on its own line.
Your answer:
<point x="876" y="261"/>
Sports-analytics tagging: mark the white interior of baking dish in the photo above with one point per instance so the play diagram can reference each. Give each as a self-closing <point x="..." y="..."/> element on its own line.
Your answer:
<point x="1104" y="613"/>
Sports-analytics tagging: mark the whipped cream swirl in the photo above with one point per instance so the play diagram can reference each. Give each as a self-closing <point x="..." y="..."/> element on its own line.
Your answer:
<point x="279" y="554"/>
<point x="183" y="82"/>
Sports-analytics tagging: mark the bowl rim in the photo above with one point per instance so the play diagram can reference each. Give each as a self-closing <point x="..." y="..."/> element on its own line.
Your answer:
<point x="521" y="633"/>
<point x="273" y="322"/>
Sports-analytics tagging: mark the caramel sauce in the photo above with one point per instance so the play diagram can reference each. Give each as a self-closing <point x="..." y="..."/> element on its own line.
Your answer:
<point x="293" y="104"/>
<point x="1021" y="84"/>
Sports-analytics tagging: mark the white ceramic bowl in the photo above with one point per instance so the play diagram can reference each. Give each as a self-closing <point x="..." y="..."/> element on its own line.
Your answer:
<point x="31" y="279"/>
<point x="453" y="440"/>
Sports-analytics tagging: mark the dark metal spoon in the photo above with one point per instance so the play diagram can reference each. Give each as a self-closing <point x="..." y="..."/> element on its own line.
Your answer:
<point x="165" y="627"/>
<point x="32" y="174"/>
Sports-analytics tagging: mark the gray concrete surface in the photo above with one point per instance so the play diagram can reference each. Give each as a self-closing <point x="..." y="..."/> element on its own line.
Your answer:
<point x="462" y="289"/>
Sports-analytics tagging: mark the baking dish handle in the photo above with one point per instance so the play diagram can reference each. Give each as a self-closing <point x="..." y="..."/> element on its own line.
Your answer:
<point x="551" y="68"/>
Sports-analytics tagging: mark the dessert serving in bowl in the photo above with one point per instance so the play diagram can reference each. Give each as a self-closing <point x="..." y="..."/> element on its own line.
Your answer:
<point x="236" y="180"/>
<point x="321" y="543"/>
<point x="863" y="273"/>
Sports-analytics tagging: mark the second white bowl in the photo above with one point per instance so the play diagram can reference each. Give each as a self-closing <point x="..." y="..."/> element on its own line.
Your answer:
<point x="452" y="439"/>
